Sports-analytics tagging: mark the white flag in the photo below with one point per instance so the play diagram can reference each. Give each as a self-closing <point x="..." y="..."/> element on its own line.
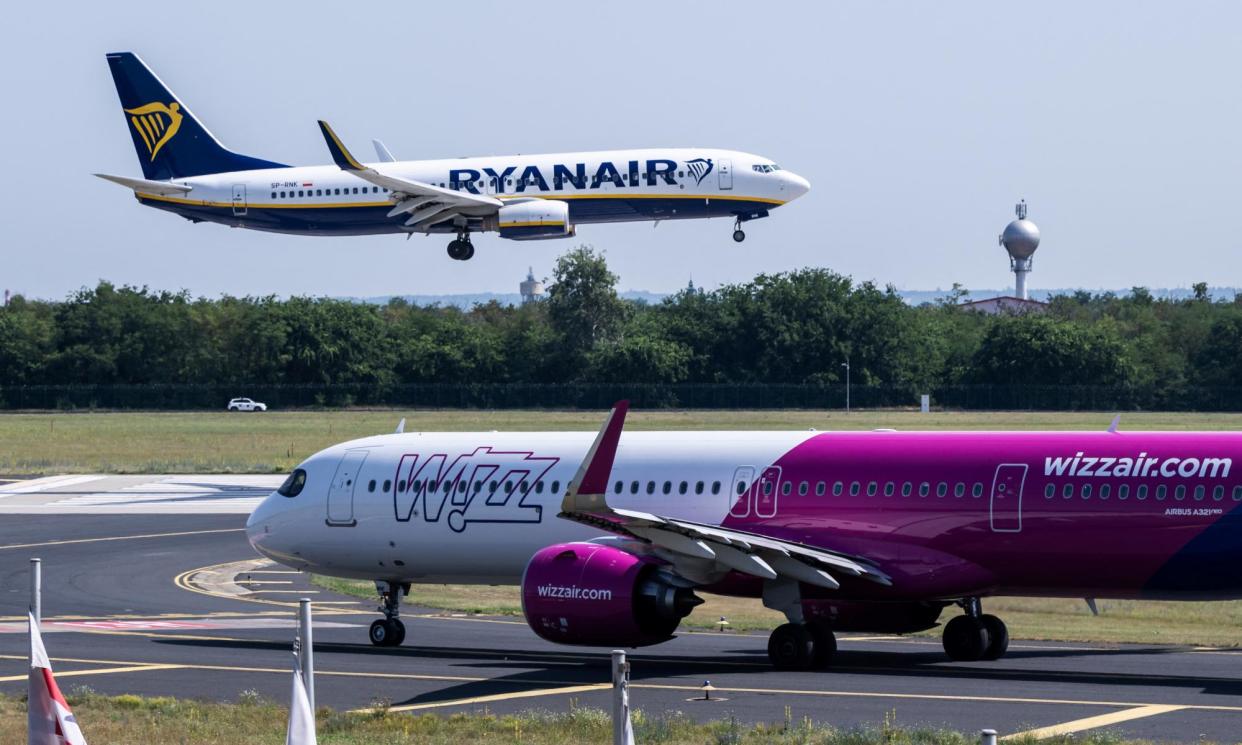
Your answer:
<point x="48" y="721"/>
<point x="627" y="732"/>
<point x="301" y="719"/>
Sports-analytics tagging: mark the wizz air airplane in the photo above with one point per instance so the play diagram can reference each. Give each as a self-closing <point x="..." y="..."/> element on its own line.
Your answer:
<point x="522" y="197"/>
<point x="610" y="537"/>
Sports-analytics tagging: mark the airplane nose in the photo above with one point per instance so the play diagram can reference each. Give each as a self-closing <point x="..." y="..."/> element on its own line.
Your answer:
<point x="795" y="184"/>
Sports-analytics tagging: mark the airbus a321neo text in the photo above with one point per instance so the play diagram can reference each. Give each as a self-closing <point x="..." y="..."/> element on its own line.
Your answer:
<point x="610" y="537"/>
<point x="522" y="197"/>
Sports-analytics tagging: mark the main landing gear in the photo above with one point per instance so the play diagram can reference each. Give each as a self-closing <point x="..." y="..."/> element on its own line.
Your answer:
<point x="389" y="631"/>
<point x="739" y="235"/>
<point x="460" y="248"/>
<point x="802" y="646"/>
<point x="975" y="635"/>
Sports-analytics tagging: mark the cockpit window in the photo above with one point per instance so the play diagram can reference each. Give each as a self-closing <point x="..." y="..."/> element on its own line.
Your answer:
<point x="766" y="168"/>
<point x="293" y="485"/>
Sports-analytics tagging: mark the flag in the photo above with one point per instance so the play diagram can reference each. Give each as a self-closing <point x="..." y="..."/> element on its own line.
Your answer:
<point x="48" y="719"/>
<point x="301" y="719"/>
<point x="627" y="725"/>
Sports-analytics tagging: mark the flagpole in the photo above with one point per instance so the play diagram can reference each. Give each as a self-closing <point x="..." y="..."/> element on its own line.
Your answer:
<point x="36" y="589"/>
<point x="306" y="650"/>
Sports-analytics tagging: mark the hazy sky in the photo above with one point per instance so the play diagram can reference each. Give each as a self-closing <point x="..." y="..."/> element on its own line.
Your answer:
<point x="918" y="124"/>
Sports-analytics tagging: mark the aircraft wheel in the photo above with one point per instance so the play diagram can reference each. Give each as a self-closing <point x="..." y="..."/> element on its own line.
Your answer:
<point x="791" y="647"/>
<point x="739" y="235"/>
<point x="966" y="639"/>
<point x="381" y="632"/>
<point x="825" y="644"/>
<point x="469" y="252"/>
<point x="457" y="249"/>
<point x="998" y="637"/>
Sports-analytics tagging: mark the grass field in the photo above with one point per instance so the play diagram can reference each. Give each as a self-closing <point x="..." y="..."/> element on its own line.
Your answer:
<point x="252" y="721"/>
<point x="1217" y="624"/>
<point x="218" y="442"/>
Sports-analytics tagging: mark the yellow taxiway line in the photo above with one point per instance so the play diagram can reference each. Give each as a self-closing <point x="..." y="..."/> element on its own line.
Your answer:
<point x="121" y="538"/>
<point x="1102" y="720"/>
<point x="101" y="671"/>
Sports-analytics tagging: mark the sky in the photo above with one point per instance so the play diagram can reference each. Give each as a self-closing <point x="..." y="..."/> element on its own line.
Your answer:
<point x="919" y="125"/>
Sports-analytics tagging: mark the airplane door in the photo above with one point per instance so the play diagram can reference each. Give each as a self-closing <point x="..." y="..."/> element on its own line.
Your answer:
<point x="1007" y="497"/>
<point x="739" y="492"/>
<point x="766" y="490"/>
<point x="726" y="174"/>
<point x="239" y="200"/>
<point x="341" y="493"/>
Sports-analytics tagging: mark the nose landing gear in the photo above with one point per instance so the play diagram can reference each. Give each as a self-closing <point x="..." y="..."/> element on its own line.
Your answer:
<point x="460" y="248"/>
<point x="739" y="235"/>
<point x="389" y="631"/>
<point x="975" y="636"/>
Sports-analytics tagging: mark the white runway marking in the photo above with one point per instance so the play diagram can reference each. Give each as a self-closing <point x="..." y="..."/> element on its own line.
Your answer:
<point x="139" y="495"/>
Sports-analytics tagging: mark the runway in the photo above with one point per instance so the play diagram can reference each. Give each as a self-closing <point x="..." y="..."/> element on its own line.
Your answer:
<point x="150" y="588"/>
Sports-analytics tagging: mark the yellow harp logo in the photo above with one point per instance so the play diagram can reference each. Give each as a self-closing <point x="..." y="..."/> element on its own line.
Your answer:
<point x="156" y="123"/>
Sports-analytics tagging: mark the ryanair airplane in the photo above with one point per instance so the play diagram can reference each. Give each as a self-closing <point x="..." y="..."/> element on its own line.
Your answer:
<point x="522" y="197"/>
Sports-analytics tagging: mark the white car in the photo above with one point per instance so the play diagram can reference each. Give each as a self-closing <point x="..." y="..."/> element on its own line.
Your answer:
<point x="245" y="404"/>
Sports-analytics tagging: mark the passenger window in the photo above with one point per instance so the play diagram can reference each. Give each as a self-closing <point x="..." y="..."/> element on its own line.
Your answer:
<point x="1161" y="491"/>
<point x="651" y="487"/>
<point x="1067" y="491"/>
<point x="1141" y="491"/>
<point x="786" y="487"/>
<point x="820" y="488"/>
<point x="492" y="487"/>
<point x="1218" y="493"/>
<point x="616" y="489"/>
<point x="556" y="487"/>
<point x="273" y="195"/>
<point x="1237" y="493"/>
<point x="741" y="488"/>
<point x="889" y="489"/>
<point x="978" y="490"/>
<point x="387" y="484"/>
<point x="1200" y="492"/>
<point x="715" y="487"/>
<point x="401" y="485"/>
<point x="633" y="487"/>
<point x="300" y="192"/>
<point x="1180" y="492"/>
<point x="1050" y="491"/>
<point x="371" y="485"/>
<point x="837" y="488"/>
<point x="942" y="489"/>
<point x="1123" y="491"/>
<point x="803" y="488"/>
<point x="355" y="190"/>
<point x="1086" y="491"/>
<point x="668" y="486"/>
<point x="478" y="486"/>
<point x="767" y="488"/>
<point x="906" y="489"/>
<point x="924" y="489"/>
<point x="871" y="488"/>
<point x="854" y="486"/>
<point x="538" y="487"/>
<point x="959" y="489"/>
<point x="1105" y="490"/>
<point x="698" y="487"/>
<point x="681" y="488"/>
<point x="461" y="487"/>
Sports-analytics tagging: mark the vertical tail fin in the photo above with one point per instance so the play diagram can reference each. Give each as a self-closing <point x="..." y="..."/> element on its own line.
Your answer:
<point x="169" y="140"/>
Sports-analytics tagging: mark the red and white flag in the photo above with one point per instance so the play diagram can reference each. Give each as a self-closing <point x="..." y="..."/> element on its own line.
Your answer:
<point x="48" y="720"/>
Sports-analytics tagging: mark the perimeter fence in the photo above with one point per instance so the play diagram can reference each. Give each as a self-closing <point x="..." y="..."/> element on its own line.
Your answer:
<point x="642" y="395"/>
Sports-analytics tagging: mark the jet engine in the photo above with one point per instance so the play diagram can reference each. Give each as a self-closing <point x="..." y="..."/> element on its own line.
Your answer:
<point x="588" y="594"/>
<point x="537" y="219"/>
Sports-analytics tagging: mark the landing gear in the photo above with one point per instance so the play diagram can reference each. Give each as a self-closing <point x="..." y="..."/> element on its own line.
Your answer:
<point x="976" y="635"/>
<point x="739" y="235"/>
<point x="389" y="631"/>
<point x="799" y="646"/>
<point x="460" y="248"/>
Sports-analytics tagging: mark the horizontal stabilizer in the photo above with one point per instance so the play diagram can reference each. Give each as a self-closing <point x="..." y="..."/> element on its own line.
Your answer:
<point x="158" y="188"/>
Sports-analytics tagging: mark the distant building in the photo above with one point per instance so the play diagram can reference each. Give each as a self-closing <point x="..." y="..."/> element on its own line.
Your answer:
<point x="1006" y="304"/>
<point x="531" y="288"/>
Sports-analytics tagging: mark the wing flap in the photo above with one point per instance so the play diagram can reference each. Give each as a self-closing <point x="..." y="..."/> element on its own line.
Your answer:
<point x="761" y="556"/>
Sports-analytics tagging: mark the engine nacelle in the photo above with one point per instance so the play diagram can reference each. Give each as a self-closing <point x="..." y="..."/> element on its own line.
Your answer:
<point x="584" y="593"/>
<point x="538" y="219"/>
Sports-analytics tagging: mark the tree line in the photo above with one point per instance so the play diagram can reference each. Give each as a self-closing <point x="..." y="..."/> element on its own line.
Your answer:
<point x="793" y="329"/>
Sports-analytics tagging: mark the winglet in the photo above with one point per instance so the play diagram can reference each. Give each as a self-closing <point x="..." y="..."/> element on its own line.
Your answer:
<point x="400" y="426"/>
<point x="587" y="491"/>
<point x="1116" y="423"/>
<point x="339" y="153"/>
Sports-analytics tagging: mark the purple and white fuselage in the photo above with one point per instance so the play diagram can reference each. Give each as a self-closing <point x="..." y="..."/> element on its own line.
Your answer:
<point x="874" y="531"/>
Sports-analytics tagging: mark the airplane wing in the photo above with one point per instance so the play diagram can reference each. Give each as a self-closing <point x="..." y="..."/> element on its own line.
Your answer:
<point x="426" y="203"/>
<point x="158" y="188"/>
<point x="761" y="556"/>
